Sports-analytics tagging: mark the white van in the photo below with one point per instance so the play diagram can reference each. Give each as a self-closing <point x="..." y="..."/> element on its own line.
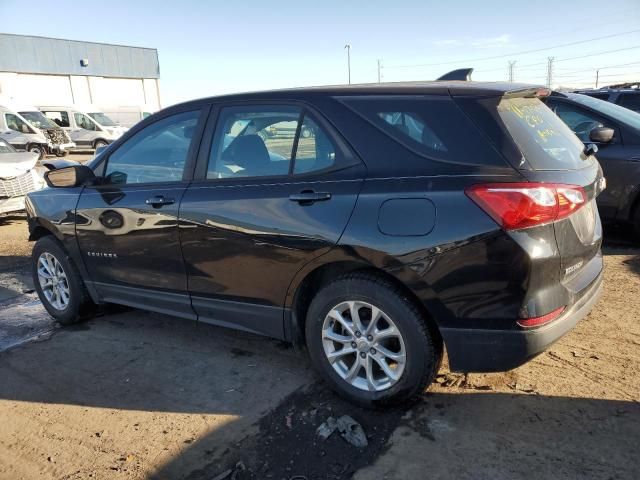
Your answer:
<point x="59" y="141"/>
<point x="23" y="134"/>
<point x="88" y="127"/>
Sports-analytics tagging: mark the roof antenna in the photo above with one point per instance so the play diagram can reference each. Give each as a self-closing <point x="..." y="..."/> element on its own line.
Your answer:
<point x="459" y="74"/>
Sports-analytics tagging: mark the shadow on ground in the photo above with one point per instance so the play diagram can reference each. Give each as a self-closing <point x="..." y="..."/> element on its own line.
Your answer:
<point x="138" y="364"/>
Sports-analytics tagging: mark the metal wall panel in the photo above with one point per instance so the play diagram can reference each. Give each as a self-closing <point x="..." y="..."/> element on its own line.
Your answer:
<point x="29" y="54"/>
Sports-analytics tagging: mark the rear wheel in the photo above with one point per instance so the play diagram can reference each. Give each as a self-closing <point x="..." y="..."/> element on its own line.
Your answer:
<point x="58" y="283"/>
<point x="62" y="154"/>
<point x="370" y="342"/>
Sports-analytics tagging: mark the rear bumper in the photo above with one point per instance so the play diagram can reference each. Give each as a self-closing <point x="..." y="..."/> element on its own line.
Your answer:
<point x="482" y="350"/>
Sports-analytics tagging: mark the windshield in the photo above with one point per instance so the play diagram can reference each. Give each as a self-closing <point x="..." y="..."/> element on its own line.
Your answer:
<point x="6" y="148"/>
<point x="545" y="141"/>
<point x="38" y="120"/>
<point x="614" y="111"/>
<point x="102" y="119"/>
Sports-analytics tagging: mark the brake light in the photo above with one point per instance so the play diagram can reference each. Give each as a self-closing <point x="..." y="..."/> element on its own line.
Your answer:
<point x="522" y="205"/>
<point x="539" y="321"/>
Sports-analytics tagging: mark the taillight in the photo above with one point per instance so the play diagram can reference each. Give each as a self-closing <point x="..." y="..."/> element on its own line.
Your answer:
<point x="522" y="205"/>
<point x="541" y="320"/>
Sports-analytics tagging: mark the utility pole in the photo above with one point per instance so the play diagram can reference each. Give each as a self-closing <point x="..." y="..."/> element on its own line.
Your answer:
<point x="597" y="75"/>
<point x="550" y="71"/>
<point x="379" y="68"/>
<point x="511" y="65"/>
<point x="348" y="47"/>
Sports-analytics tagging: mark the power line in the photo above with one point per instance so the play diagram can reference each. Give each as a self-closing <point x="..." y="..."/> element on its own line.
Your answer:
<point x="525" y="52"/>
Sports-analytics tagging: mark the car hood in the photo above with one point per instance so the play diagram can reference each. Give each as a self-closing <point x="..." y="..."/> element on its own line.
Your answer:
<point x="15" y="164"/>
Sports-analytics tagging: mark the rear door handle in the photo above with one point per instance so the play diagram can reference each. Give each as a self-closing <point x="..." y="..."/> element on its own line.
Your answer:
<point x="307" y="197"/>
<point x="159" y="200"/>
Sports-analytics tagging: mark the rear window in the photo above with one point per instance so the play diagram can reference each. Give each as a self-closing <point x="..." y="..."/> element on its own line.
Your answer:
<point x="545" y="141"/>
<point x="433" y="127"/>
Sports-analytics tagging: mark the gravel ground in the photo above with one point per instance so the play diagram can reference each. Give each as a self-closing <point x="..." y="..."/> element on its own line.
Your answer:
<point x="139" y="395"/>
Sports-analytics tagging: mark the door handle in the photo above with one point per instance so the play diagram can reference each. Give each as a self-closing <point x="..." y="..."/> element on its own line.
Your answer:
<point x="159" y="200"/>
<point x="307" y="197"/>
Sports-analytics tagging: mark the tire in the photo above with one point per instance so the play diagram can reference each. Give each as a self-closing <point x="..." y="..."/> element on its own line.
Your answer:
<point x="421" y="347"/>
<point x="99" y="143"/>
<point x="78" y="305"/>
<point x="62" y="154"/>
<point x="34" y="148"/>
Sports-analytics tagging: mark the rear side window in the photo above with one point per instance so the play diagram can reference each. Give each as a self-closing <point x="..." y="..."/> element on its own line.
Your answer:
<point x="545" y="141"/>
<point x="630" y="101"/>
<point x="433" y="127"/>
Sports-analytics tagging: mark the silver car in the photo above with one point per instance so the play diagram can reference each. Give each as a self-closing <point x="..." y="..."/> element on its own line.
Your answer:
<point x="18" y="176"/>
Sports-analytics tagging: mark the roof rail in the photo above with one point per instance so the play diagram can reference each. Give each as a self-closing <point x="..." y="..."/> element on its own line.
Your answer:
<point x="459" y="74"/>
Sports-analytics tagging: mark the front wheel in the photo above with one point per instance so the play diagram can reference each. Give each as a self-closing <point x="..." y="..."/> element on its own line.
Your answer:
<point x="58" y="283"/>
<point x="62" y="154"/>
<point x="100" y="144"/>
<point x="38" y="150"/>
<point x="371" y="344"/>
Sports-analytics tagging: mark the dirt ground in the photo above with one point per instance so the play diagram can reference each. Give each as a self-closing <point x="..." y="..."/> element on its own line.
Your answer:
<point x="135" y="395"/>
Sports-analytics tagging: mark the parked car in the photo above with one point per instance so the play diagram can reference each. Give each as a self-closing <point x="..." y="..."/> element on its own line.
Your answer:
<point x="88" y="128"/>
<point x="372" y="243"/>
<point x="24" y="135"/>
<point x="625" y="97"/>
<point x="18" y="177"/>
<point x="616" y="132"/>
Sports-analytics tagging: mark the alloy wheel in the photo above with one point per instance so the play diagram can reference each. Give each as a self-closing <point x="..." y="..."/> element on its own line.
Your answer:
<point x="363" y="345"/>
<point x="53" y="281"/>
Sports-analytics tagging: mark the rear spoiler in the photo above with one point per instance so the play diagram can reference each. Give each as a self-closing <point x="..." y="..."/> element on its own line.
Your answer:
<point x="463" y="74"/>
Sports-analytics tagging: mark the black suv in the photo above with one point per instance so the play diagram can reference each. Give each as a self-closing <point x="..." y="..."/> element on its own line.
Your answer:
<point x="414" y="216"/>
<point x="616" y="132"/>
<point x="624" y="96"/>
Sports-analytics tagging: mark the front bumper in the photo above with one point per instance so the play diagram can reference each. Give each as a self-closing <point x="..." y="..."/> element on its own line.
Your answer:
<point x="483" y="350"/>
<point x="63" y="147"/>
<point x="11" y="204"/>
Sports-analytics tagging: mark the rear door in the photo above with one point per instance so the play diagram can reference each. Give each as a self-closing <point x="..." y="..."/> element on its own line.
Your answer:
<point x="266" y="200"/>
<point x="127" y="227"/>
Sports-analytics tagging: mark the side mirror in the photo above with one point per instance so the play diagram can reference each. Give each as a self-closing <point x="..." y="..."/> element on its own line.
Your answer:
<point x="72" y="176"/>
<point x="601" y="134"/>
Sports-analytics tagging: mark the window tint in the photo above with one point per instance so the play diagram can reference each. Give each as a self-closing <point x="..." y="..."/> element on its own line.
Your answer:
<point x="600" y="96"/>
<point x="315" y="150"/>
<point x="16" y="123"/>
<point x="579" y="120"/>
<point x="433" y="127"/>
<point x="155" y="154"/>
<point x="82" y="121"/>
<point x="60" y="118"/>
<point x="630" y="101"/>
<point x="253" y="141"/>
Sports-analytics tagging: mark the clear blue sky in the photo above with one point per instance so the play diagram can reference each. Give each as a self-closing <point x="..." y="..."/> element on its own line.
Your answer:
<point x="208" y="47"/>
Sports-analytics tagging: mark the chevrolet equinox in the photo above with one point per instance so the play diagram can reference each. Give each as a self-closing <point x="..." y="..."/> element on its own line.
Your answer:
<point x="406" y="218"/>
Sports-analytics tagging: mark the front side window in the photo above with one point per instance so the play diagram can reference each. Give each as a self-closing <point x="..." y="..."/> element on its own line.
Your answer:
<point x="265" y="141"/>
<point x="579" y="120"/>
<point x="630" y="101"/>
<point x="14" y="122"/>
<point x="84" y="122"/>
<point x="59" y="118"/>
<point x="102" y="119"/>
<point x="157" y="153"/>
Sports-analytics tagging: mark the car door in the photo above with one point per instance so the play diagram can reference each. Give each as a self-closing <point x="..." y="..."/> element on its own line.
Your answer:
<point x="62" y="119"/>
<point x="127" y="226"/>
<point x="84" y="132"/>
<point x="266" y="200"/>
<point x="613" y="156"/>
